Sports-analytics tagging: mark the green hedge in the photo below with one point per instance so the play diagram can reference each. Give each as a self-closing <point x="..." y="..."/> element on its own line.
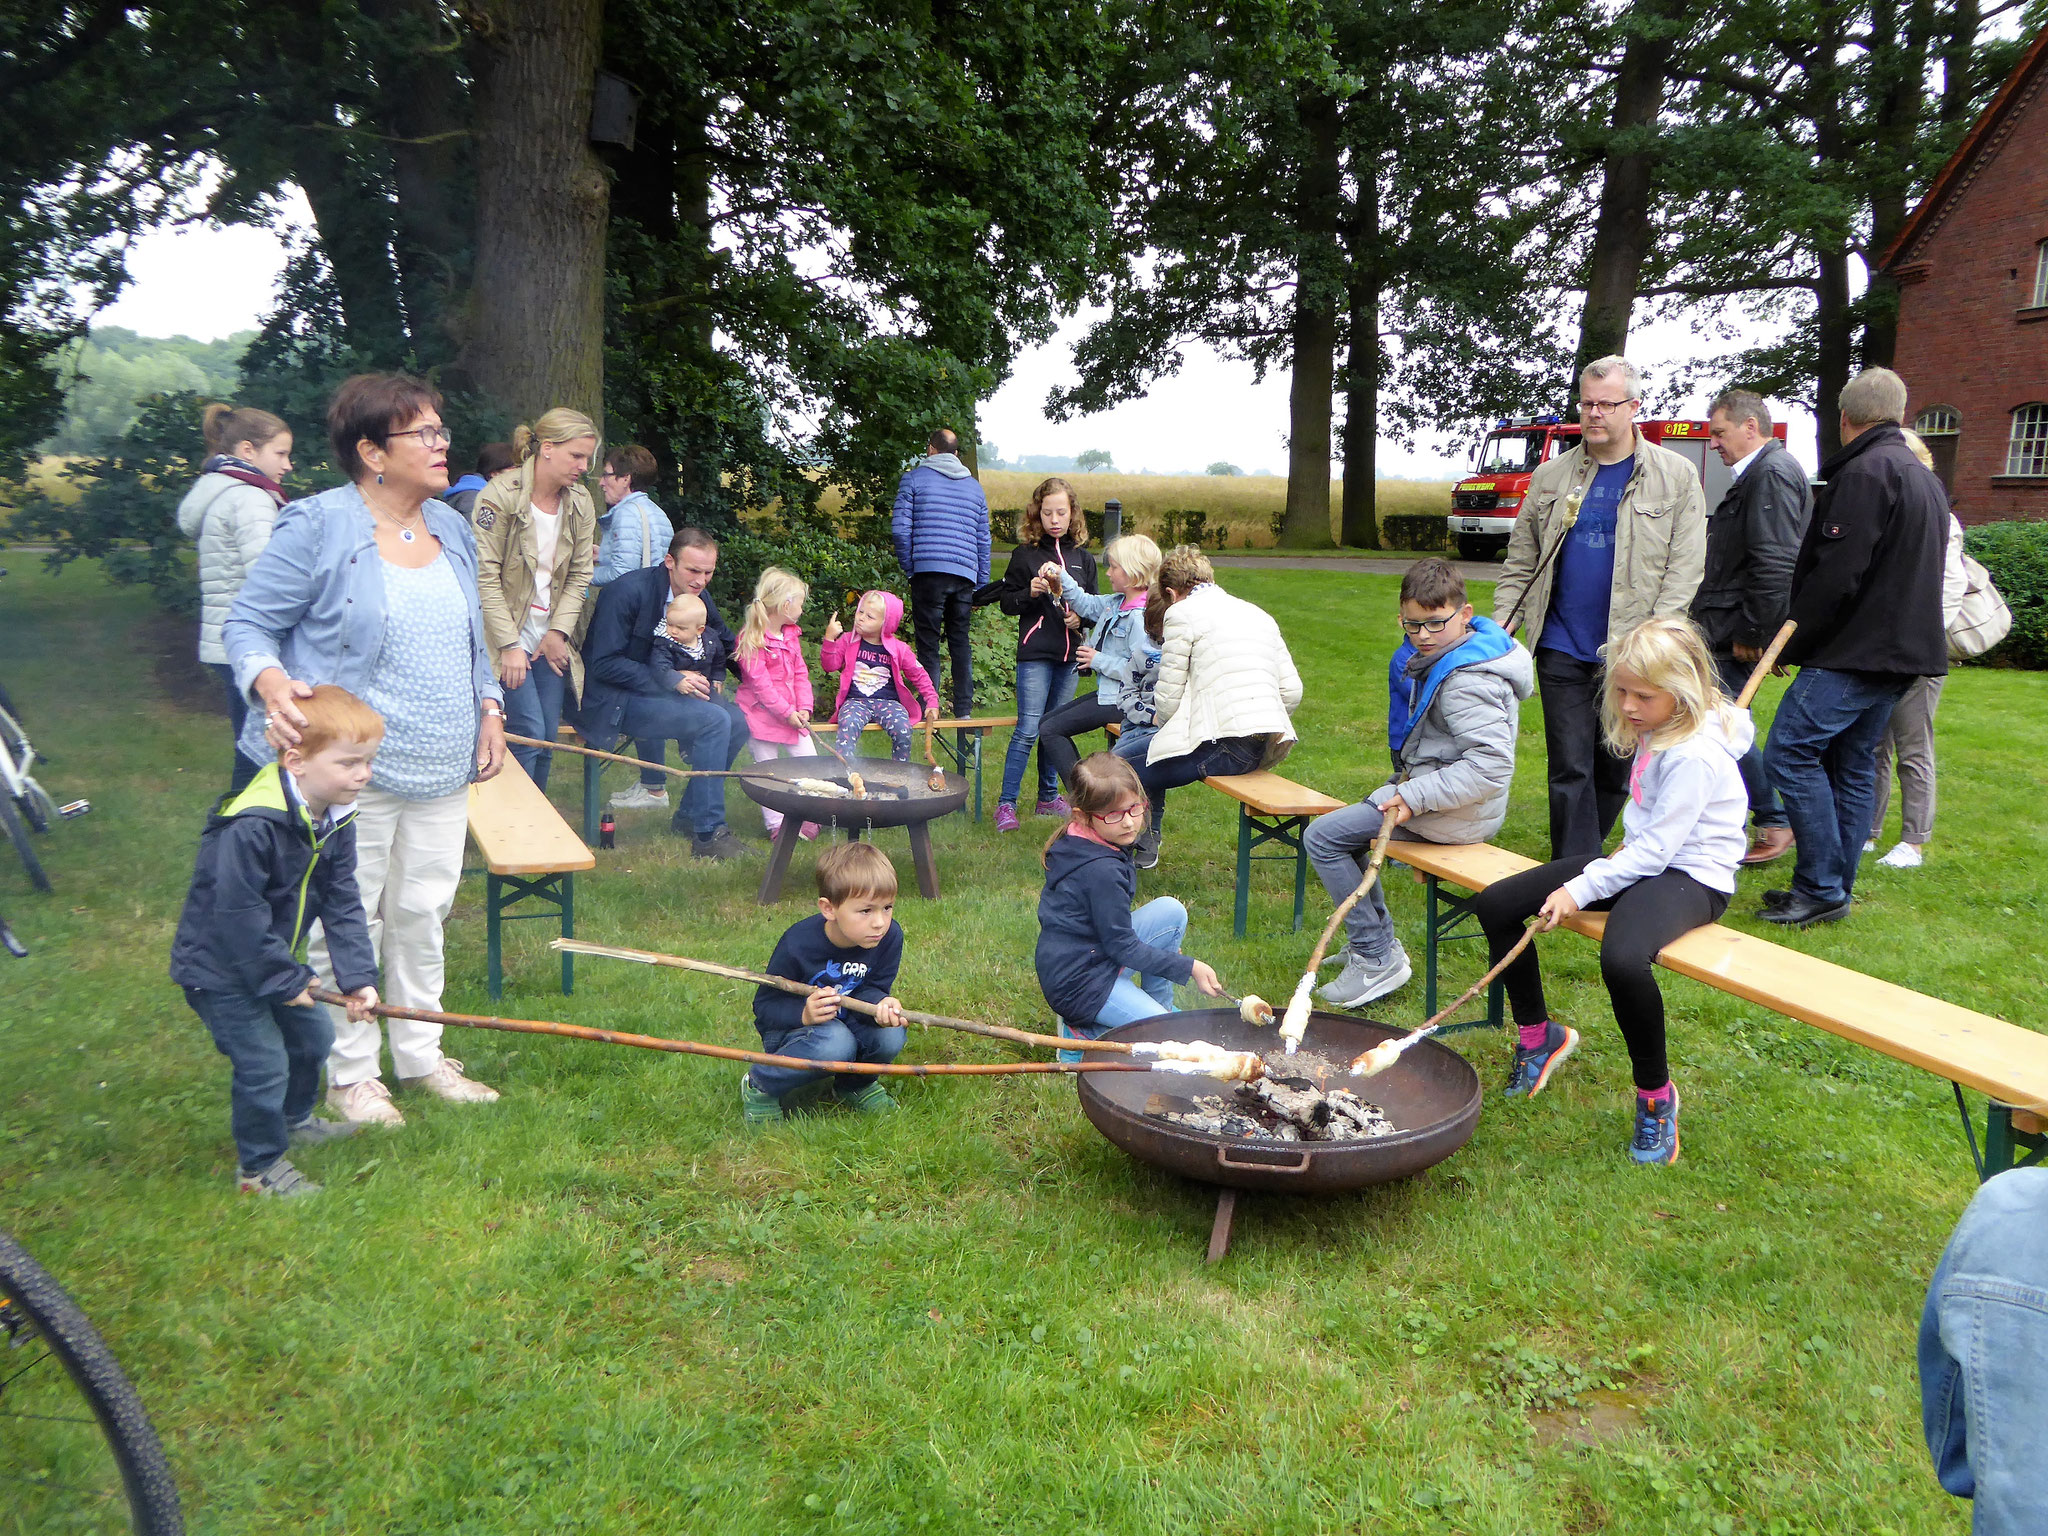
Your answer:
<point x="1427" y="531"/>
<point x="2016" y="555"/>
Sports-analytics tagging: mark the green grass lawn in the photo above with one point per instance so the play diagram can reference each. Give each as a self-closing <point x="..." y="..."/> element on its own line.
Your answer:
<point x="601" y="1306"/>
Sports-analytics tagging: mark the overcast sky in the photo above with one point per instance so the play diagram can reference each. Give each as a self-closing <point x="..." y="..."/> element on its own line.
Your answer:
<point x="207" y="282"/>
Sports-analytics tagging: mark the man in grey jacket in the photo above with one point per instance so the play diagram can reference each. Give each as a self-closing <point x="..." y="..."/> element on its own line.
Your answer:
<point x="1753" y="540"/>
<point x="1611" y="533"/>
<point x="940" y="529"/>
<point x="1454" y="695"/>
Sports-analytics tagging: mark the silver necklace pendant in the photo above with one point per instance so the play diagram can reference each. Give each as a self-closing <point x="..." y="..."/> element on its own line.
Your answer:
<point x="405" y="534"/>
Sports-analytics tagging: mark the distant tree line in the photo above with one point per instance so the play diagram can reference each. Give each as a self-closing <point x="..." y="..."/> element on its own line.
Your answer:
<point x="788" y="236"/>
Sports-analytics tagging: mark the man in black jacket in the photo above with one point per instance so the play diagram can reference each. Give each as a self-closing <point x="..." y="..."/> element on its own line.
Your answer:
<point x="1866" y="595"/>
<point x="620" y="697"/>
<point x="1753" y="540"/>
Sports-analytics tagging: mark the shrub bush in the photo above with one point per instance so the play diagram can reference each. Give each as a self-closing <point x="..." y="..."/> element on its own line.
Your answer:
<point x="1415" y="530"/>
<point x="2016" y="555"/>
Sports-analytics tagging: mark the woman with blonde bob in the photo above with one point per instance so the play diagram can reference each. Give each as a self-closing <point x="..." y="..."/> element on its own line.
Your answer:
<point x="536" y="540"/>
<point x="1116" y="648"/>
<point x="1675" y="871"/>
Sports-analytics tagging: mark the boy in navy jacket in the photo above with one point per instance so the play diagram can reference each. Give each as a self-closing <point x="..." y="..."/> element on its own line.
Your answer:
<point x="273" y="860"/>
<point x="851" y="947"/>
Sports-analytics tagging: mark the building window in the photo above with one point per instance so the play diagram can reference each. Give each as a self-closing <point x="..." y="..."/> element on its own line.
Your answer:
<point x="1938" y="421"/>
<point x="2028" y="454"/>
<point x="2041" y="275"/>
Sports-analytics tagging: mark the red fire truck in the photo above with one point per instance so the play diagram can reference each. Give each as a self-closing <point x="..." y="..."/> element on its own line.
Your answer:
<point x="1483" y="507"/>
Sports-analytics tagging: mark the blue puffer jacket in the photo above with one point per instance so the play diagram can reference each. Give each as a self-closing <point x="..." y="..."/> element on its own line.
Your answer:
<point x="941" y="520"/>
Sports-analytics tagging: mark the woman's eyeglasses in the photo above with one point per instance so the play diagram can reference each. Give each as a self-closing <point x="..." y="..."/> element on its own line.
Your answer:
<point x="1118" y="818"/>
<point x="430" y="437"/>
<point x="1426" y="626"/>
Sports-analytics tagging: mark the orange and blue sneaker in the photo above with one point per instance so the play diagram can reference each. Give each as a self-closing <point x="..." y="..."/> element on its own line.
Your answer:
<point x="1533" y="1064"/>
<point x="1656" y="1139"/>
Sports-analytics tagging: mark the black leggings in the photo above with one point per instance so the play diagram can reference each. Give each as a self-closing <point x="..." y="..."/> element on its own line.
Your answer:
<point x="1058" y="728"/>
<point x="1641" y="921"/>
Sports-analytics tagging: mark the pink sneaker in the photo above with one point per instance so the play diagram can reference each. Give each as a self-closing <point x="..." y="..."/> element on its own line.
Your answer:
<point x="1006" y="817"/>
<point x="809" y="831"/>
<point x="1056" y="806"/>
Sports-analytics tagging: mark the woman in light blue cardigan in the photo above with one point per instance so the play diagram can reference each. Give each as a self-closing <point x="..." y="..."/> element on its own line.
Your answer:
<point x="372" y="586"/>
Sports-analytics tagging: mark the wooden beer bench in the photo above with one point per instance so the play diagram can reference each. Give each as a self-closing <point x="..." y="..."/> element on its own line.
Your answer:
<point x="1271" y="809"/>
<point x="529" y="852"/>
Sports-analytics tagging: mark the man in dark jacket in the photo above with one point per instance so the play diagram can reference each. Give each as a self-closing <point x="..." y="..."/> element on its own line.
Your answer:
<point x="620" y="697"/>
<point x="940" y="529"/>
<point x="1866" y="595"/>
<point x="1753" y="540"/>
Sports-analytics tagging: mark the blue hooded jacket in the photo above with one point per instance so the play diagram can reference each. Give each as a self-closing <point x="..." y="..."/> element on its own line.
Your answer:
<point x="940" y="522"/>
<point x="1408" y="697"/>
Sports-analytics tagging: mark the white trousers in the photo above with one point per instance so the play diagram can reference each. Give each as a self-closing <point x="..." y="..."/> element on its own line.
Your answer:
<point x="768" y="751"/>
<point x="408" y="864"/>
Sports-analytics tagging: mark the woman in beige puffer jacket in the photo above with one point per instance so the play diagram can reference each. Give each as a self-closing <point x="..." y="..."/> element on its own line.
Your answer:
<point x="230" y="511"/>
<point x="1226" y="688"/>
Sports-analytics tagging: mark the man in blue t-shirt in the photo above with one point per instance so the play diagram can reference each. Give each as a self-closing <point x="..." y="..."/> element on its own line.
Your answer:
<point x="1611" y="532"/>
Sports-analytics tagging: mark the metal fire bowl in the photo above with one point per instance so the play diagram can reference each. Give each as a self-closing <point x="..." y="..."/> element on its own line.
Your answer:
<point x="884" y="809"/>
<point x="1432" y="1095"/>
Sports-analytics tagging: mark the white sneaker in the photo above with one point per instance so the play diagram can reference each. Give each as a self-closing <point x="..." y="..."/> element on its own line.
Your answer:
<point x="1870" y="846"/>
<point x="1902" y="856"/>
<point x="447" y="1082"/>
<point x="640" y="798"/>
<point x="365" y="1103"/>
<point x="1361" y="981"/>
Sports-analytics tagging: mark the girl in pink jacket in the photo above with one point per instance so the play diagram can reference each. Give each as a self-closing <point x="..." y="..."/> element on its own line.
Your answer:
<point x="879" y="676"/>
<point x="775" y="680"/>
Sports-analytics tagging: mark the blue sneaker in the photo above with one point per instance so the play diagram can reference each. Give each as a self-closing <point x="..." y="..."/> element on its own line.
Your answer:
<point x="1656" y="1131"/>
<point x="1532" y="1067"/>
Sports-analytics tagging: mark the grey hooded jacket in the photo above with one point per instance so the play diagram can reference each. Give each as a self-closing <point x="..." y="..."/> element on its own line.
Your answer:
<point x="1459" y="759"/>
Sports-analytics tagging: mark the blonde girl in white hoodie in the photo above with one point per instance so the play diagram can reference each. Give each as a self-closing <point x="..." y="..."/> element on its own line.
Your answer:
<point x="1682" y="827"/>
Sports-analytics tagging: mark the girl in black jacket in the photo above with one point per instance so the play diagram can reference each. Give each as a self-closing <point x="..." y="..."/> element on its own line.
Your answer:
<point x="1092" y="947"/>
<point x="1047" y="637"/>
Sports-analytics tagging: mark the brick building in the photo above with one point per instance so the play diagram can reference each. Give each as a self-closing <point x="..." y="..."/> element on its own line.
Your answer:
<point x="1972" y="264"/>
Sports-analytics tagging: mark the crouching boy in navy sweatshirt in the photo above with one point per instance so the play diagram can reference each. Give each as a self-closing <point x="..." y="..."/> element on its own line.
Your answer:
<point x="1454" y="694"/>
<point x="851" y="947"/>
<point x="273" y="860"/>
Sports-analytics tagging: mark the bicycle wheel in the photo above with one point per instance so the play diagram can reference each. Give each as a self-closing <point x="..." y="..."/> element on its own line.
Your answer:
<point x="77" y="1452"/>
<point x="17" y="834"/>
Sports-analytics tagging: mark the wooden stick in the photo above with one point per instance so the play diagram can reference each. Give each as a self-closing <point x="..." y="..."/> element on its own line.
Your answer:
<point x="1764" y="663"/>
<point x="936" y="780"/>
<point x="732" y="1053"/>
<point x="1386" y="1057"/>
<point x="860" y="789"/>
<point x="636" y="762"/>
<point x="858" y="1005"/>
<point x="1295" y="1022"/>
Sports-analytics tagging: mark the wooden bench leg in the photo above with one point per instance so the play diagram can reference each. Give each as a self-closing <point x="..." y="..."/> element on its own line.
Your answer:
<point x="593" y="789"/>
<point x="568" y="931"/>
<point x="494" y="950"/>
<point x="977" y="737"/>
<point x="503" y="892"/>
<point x="1244" y="870"/>
<point x="1441" y="920"/>
<point x="1429" y="1003"/>
<point x="2006" y="1132"/>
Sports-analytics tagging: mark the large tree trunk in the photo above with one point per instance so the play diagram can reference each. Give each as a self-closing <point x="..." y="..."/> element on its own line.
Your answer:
<point x="1318" y="284"/>
<point x="1837" y="321"/>
<point x="536" y="323"/>
<point x="352" y="220"/>
<point x="1358" y="524"/>
<point x="1621" y="231"/>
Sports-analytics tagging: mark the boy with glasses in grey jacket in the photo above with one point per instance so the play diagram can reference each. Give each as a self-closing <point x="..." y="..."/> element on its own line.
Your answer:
<point x="1455" y="688"/>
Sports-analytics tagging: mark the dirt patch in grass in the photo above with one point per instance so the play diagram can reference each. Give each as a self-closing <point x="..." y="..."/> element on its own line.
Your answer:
<point x="719" y="1271"/>
<point x="1601" y="1415"/>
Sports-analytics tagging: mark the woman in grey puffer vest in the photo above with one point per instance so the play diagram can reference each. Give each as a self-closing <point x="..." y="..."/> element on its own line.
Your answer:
<point x="230" y="511"/>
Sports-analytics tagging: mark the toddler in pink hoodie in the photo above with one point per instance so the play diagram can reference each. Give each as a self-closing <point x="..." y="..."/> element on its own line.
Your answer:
<point x="775" y="680"/>
<point x="879" y="676"/>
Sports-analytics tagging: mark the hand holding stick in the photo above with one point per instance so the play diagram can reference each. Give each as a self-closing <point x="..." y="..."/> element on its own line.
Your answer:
<point x="1764" y="663"/>
<point x="1294" y="1024"/>
<point x="1387" y="1052"/>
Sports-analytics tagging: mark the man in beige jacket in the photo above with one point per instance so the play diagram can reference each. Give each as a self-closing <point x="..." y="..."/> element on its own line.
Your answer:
<point x="1611" y="533"/>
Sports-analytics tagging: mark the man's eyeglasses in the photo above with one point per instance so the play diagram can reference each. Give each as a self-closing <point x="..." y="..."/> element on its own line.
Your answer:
<point x="1426" y="626"/>
<point x="430" y="437"/>
<point x="1603" y="407"/>
<point x="1118" y="818"/>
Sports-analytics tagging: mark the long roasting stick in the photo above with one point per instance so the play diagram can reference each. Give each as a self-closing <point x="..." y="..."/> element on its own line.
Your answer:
<point x="858" y="1005"/>
<point x="732" y="1053"/>
<point x="936" y="782"/>
<point x="1295" y="1023"/>
<point x="638" y="762"/>
<point x="860" y="790"/>
<point x="1387" y="1052"/>
<point x="1764" y="663"/>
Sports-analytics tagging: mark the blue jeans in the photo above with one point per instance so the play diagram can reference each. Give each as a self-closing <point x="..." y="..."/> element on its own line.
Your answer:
<point x="534" y="709"/>
<point x="1162" y="922"/>
<point x="1229" y="754"/>
<point x="1822" y="759"/>
<point x="1765" y="809"/>
<point x="241" y="770"/>
<point x="1042" y="686"/>
<point x="1984" y="1356"/>
<point x="850" y="1037"/>
<point x="276" y="1053"/>
<point x="708" y="733"/>
<point x="1131" y="745"/>
<point x="1337" y="846"/>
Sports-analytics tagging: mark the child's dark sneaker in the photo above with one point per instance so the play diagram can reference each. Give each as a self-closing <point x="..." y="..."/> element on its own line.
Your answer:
<point x="1533" y="1064"/>
<point x="872" y="1100"/>
<point x="1656" y="1130"/>
<point x="312" y="1131"/>
<point x="1145" y="851"/>
<point x="757" y="1108"/>
<point x="1056" y="806"/>
<point x="1006" y="817"/>
<point x="280" y="1179"/>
